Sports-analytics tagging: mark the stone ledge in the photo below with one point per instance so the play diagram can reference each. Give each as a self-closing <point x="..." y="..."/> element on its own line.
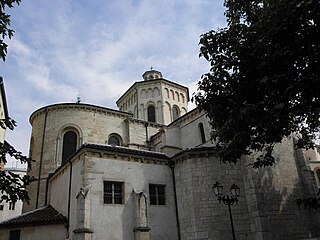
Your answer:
<point x="83" y="230"/>
<point x="141" y="229"/>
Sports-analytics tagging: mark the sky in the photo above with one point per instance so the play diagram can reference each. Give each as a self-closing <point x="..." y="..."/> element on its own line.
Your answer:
<point x="97" y="49"/>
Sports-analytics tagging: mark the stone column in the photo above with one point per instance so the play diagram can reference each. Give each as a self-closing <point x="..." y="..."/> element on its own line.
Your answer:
<point x="141" y="230"/>
<point x="83" y="230"/>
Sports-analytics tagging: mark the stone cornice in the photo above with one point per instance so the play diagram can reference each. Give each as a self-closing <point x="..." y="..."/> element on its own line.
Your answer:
<point x="152" y="124"/>
<point x="194" y="153"/>
<point x="78" y="106"/>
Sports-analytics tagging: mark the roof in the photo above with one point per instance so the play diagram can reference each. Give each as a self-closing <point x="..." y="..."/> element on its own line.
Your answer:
<point x="4" y="100"/>
<point x="126" y="150"/>
<point x="79" y="106"/>
<point x="42" y="216"/>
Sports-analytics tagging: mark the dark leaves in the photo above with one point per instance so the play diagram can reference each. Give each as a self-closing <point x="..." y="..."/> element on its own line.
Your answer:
<point x="264" y="77"/>
<point x="5" y="31"/>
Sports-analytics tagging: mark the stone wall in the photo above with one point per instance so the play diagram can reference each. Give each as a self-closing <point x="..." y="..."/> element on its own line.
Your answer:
<point x="93" y="124"/>
<point x="200" y="214"/>
<point x="47" y="232"/>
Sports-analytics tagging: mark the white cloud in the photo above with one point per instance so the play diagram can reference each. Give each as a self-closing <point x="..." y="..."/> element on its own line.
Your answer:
<point x="97" y="49"/>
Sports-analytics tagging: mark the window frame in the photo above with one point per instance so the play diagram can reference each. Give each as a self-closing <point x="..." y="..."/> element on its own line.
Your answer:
<point x="157" y="194"/>
<point x="65" y="156"/>
<point x="117" y="136"/>
<point x="151" y="115"/>
<point x="115" y="194"/>
<point x="202" y="133"/>
<point x="176" y="113"/>
<point x="15" y="234"/>
<point x="12" y="205"/>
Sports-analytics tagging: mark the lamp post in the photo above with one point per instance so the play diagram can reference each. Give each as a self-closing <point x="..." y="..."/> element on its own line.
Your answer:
<point x="227" y="200"/>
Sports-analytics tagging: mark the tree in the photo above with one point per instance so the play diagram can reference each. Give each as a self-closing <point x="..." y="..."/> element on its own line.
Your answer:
<point x="263" y="83"/>
<point x="5" y="31"/>
<point x="12" y="186"/>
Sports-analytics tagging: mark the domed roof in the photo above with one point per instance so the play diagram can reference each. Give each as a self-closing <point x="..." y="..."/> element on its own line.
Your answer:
<point x="152" y="74"/>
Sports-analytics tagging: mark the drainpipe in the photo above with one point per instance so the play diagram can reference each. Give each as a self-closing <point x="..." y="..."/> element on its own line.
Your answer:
<point x="69" y="199"/>
<point x="41" y="156"/>
<point x="146" y="126"/>
<point x="172" y="165"/>
<point x="137" y="100"/>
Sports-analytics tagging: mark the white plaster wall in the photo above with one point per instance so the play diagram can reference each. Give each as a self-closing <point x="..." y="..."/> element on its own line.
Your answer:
<point x="59" y="189"/>
<point x="6" y="213"/>
<point x="118" y="220"/>
<point x="47" y="232"/>
<point x="77" y="183"/>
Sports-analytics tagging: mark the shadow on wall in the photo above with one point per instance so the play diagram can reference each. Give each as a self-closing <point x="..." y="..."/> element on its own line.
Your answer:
<point x="127" y="218"/>
<point x="275" y="212"/>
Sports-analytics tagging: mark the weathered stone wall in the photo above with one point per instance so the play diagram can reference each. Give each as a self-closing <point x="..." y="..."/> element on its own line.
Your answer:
<point x="273" y="191"/>
<point x="267" y="208"/>
<point x="200" y="214"/>
<point x="93" y="124"/>
<point x="47" y="232"/>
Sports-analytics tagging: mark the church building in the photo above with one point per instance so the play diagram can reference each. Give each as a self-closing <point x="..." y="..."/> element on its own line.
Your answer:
<point x="147" y="171"/>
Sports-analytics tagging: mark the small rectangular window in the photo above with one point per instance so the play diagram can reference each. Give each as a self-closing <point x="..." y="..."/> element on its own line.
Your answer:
<point x="12" y="205"/>
<point x="1" y="207"/>
<point x="15" y="235"/>
<point x="113" y="192"/>
<point x="157" y="194"/>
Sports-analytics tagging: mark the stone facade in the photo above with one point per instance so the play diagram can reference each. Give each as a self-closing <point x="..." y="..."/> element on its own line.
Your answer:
<point x="133" y="179"/>
<point x="169" y="99"/>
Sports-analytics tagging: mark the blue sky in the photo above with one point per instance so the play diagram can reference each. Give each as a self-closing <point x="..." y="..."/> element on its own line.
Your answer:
<point x="63" y="49"/>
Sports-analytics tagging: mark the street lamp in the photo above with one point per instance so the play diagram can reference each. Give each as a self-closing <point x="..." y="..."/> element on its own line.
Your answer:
<point x="227" y="200"/>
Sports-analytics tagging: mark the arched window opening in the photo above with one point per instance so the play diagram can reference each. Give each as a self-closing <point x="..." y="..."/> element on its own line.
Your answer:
<point x="114" y="140"/>
<point x="69" y="145"/>
<point x="151" y="114"/>
<point x="202" y="134"/>
<point x="175" y="113"/>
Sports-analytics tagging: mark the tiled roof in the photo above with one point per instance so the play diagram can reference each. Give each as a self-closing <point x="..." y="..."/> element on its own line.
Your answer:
<point x="41" y="216"/>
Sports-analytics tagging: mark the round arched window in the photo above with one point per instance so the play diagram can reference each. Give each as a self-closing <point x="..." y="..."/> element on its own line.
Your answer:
<point x="151" y="114"/>
<point x="175" y="112"/>
<point x="69" y="146"/>
<point x="114" y="140"/>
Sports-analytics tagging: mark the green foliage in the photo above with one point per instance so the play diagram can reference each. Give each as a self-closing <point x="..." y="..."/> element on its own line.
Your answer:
<point x="12" y="186"/>
<point x="263" y="83"/>
<point x="5" y="31"/>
